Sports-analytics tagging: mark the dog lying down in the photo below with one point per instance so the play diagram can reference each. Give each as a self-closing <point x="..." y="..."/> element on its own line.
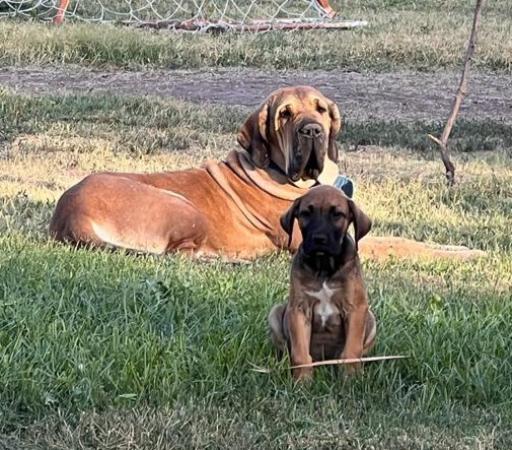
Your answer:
<point x="327" y="314"/>
<point x="229" y="208"/>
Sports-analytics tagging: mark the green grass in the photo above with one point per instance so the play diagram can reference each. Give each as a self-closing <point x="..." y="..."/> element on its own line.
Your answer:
<point x="146" y="125"/>
<point x="423" y="36"/>
<point x="111" y="350"/>
<point x="107" y="332"/>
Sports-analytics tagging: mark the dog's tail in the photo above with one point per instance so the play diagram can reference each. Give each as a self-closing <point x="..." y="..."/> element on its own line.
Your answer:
<point x="380" y="248"/>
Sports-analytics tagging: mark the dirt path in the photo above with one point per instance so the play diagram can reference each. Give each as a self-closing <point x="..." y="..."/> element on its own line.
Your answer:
<point x="389" y="96"/>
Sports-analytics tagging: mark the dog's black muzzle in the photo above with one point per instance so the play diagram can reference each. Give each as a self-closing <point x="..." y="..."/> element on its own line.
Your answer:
<point x="321" y="237"/>
<point x="310" y="147"/>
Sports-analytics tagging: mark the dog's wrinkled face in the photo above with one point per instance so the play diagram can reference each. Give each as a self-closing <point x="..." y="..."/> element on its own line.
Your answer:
<point x="324" y="215"/>
<point x="295" y="128"/>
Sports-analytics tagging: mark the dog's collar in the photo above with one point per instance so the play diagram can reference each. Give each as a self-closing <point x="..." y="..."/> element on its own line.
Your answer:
<point x="330" y="176"/>
<point x="275" y="182"/>
<point x="301" y="184"/>
<point x="345" y="184"/>
<point x="271" y="181"/>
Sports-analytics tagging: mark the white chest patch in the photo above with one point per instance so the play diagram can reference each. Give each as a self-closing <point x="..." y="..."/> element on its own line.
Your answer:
<point x="324" y="308"/>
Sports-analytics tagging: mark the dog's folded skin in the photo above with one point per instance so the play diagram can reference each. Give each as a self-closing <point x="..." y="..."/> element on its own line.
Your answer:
<point x="327" y="314"/>
<point x="229" y="208"/>
<point x="213" y="209"/>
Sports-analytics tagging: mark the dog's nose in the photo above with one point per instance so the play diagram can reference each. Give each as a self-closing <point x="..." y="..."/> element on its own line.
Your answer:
<point x="311" y="130"/>
<point x="319" y="239"/>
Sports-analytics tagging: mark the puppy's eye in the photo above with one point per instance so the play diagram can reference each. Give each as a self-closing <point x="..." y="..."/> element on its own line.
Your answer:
<point x="321" y="109"/>
<point x="305" y="213"/>
<point x="336" y="215"/>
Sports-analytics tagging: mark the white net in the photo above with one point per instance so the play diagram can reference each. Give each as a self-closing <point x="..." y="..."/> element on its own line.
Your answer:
<point x="196" y="13"/>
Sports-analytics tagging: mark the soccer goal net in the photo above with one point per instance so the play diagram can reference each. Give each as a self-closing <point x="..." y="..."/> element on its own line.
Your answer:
<point x="186" y="15"/>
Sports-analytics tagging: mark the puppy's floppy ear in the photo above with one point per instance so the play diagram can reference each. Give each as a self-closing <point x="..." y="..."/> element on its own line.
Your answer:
<point x="253" y="136"/>
<point x="288" y="219"/>
<point x="362" y="223"/>
<point x="336" y="123"/>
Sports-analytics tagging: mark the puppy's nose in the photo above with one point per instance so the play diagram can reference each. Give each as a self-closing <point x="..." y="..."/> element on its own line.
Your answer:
<point x="319" y="239"/>
<point x="311" y="130"/>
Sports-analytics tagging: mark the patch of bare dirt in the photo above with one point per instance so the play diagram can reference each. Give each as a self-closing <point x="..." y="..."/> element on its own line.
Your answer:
<point x="403" y="96"/>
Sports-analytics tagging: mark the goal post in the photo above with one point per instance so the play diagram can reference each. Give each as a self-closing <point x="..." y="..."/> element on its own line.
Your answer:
<point x="188" y="15"/>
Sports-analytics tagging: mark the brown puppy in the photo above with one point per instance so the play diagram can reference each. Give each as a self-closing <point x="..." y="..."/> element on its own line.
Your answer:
<point x="232" y="207"/>
<point x="327" y="315"/>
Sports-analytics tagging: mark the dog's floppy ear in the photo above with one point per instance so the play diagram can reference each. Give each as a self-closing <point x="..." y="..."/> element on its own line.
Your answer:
<point x="362" y="223"/>
<point x="288" y="219"/>
<point x="336" y="123"/>
<point x="253" y="136"/>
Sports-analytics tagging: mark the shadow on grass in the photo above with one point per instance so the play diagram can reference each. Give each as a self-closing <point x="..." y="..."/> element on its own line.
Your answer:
<point x="269" y="425"/>
<point x="178" y="125"/>
<point x="467" y="136"/>
<point x="82" y="330"/>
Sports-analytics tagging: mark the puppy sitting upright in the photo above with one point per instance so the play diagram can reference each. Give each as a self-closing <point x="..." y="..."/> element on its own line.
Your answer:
<point x="327" y="315"/>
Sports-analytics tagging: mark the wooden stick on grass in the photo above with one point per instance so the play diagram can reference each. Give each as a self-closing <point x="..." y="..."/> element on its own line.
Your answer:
<point x="461" y="93"/>
<point x="333" y="362"/>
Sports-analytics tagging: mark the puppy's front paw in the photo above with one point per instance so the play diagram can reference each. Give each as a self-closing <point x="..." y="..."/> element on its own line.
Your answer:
<point x="303" y="374"/>
<point x="352" y="369"/>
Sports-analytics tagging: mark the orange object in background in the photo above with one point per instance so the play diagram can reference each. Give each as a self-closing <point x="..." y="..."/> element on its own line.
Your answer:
<point x="63" y="6"/>
<point x="59" y="17"/>
<point x="327" y="8"/>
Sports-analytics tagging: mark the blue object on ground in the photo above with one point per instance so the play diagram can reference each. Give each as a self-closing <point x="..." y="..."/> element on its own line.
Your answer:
<point x="345" y="184"/>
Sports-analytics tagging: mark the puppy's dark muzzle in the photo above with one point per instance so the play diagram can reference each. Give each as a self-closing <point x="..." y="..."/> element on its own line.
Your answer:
<point x="310" y="149"/>
<point x="327" y="248"/>
<point x="319" y="244"/>
<point x="319" y="238"/>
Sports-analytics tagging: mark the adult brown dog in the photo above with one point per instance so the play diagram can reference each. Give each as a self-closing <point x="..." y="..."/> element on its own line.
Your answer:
<point x="327" y="314"/>
<point x="230" y="207"/>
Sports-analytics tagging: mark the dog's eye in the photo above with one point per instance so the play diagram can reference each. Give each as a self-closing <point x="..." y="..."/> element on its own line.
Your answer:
<point x="285" y="113"/>
<point x="305" y="213"/>
<point x="321" y="109"/>
<point x="337" y="214"/>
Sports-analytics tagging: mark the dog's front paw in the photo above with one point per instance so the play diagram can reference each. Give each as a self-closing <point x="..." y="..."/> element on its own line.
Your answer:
<point x="303" y="374"/>
<point x="355" y="368"/>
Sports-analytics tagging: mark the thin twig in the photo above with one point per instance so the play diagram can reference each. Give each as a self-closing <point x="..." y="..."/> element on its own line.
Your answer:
<point x="332" y="362"/>
<point x="461" y="93"/>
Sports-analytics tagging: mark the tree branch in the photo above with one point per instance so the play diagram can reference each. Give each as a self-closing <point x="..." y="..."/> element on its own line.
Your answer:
<point x="461" y="93"/>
